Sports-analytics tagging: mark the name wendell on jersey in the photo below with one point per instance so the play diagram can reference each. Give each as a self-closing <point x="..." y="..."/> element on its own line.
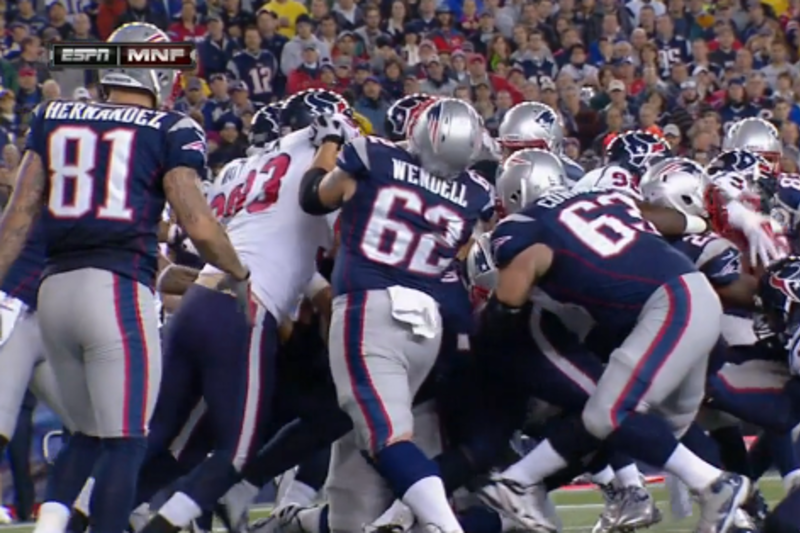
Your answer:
<point x="452" y="191"/>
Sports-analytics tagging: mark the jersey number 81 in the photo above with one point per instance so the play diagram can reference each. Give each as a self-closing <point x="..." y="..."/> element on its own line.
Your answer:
<point x="72" y="181"/>
<point x="408" y="248"/>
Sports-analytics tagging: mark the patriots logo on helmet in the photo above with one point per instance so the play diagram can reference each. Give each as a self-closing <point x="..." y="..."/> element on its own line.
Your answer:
<point x="434" y="116"/>
<point x="546" y="118"/>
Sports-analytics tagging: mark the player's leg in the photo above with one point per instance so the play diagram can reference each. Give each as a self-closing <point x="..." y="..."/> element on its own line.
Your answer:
<point x="753" y="391"/>
<point x="378" y="364"/>
<point x="62" y="310"/>
<point x="176" y="410"/>
<point x="662" y="366"/>
<point x="122" y="354"/>
<point x="19" y="352"/>
<point x="237" y="363"/>
<point x="45" y="387"/>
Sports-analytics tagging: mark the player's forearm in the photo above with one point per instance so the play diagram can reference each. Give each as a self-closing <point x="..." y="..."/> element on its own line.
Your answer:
<point x="176" y="279"/>
<point x="21" y="211"/>
<point x="215" y="248"/>
<point x="196" y="218"/>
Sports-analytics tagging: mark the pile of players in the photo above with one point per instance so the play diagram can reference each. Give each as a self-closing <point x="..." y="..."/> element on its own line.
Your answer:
<point x="638" y="312"/>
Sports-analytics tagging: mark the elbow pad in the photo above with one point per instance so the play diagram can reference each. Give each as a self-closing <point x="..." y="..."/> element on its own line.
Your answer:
<point x="309" y="193"/>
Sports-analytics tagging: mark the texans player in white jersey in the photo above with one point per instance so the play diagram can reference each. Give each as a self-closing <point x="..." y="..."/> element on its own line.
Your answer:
<point x="234" y="365"/>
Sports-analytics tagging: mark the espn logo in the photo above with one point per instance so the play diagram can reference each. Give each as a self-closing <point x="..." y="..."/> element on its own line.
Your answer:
<point x="180" y="56"/>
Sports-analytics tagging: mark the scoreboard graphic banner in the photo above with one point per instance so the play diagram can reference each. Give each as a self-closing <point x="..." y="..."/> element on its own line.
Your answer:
<point x="182" y="56"/>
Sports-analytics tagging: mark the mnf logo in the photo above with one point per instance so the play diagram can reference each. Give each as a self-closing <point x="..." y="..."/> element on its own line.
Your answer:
<point x="180" y="56"/>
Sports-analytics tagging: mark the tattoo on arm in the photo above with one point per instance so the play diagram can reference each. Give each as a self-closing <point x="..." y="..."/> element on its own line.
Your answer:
<point x="195" y="216"/>
<point x="22" y="210"/>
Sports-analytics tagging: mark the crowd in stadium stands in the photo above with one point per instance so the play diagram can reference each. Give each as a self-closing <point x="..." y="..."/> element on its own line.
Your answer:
<point x="683" y="68"/>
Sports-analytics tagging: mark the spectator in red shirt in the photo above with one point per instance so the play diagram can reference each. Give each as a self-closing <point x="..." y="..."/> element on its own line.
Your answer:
<point x="307" y="74"/>
<point x="446" y="37"/>
<point x="188" y="26"/>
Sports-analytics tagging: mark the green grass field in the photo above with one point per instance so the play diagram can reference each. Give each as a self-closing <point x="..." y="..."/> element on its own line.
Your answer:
<point x="578" y="509"/>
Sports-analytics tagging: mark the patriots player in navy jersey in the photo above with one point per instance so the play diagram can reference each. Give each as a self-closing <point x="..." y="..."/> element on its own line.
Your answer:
<point x="587" y="249"/>
<point x="95" y="303"/>
<point x="255" y="66"/>
<point x="404" y="215"/>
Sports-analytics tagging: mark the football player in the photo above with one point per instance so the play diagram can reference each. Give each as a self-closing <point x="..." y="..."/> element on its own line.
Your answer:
<point x="386" y="327"/>
<point x="103" y="172"/>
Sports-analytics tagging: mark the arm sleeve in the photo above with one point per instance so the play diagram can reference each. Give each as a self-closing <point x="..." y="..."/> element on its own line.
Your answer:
<point x="515" y="234"/>
<point x="186" y="146"/>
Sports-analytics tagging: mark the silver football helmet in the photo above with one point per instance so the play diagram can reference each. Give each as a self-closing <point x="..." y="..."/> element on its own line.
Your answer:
<point x="480" y="269"/>
<point x="758" y="136"/>
<point x="156" y="81"/>
<point x="531" y="125"/>
<point x="447" y="136"/>
<point x="535" y="173"/>
<point x="677" y="182"/>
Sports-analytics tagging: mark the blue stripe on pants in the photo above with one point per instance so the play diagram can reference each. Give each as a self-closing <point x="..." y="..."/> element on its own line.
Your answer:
<point x="129" y="321"/>
<point x="679" y="312"/>
<point x="367" y="397"/>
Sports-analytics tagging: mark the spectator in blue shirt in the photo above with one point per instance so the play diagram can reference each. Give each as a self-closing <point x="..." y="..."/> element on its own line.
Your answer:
<point x="372" y="105"/>
<point x="216" y="49"/>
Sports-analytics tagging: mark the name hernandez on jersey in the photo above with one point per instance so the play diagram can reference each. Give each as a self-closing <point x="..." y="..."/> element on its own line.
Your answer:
<point x="256" y="199"/>
<point x="106" y="163"/>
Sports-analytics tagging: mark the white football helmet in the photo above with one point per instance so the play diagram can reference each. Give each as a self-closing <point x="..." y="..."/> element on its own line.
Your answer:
<point x="531" y="125"/>
<point x="678" y="183"/>
<point x="447" y="136"/>
<point x="758" y="136"/>
<point x="535" y="173"/>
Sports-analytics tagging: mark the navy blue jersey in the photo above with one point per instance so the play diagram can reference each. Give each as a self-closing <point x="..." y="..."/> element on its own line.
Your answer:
<point x="105" y="194"/>
<point x="454" y="302"/>
<point x="257" y="71"/>
<point x="716" y="257"/>
<point x="22" y="280"/>
<point x="671" y="52"/>
<point x="606" y="257"/>
<point x="785" y="207"/>
<point x="403" y="226"/>
<point x="573" y="170"/>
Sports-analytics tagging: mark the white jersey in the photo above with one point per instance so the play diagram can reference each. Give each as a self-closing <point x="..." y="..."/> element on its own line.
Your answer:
<point x="610" y="177"/>
<point x="257" y="200"/>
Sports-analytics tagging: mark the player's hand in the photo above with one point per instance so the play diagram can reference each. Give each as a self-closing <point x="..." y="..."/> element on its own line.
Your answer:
<point x="763" y="235"/>
<point x="334" y="127"/>
<point x="241" y="290"/>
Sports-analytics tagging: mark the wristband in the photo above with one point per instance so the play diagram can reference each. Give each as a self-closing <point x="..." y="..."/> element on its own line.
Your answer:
<point x="333" y="138"/>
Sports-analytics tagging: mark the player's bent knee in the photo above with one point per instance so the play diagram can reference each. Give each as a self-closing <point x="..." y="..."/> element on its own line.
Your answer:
<point x="597" y="419"/>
